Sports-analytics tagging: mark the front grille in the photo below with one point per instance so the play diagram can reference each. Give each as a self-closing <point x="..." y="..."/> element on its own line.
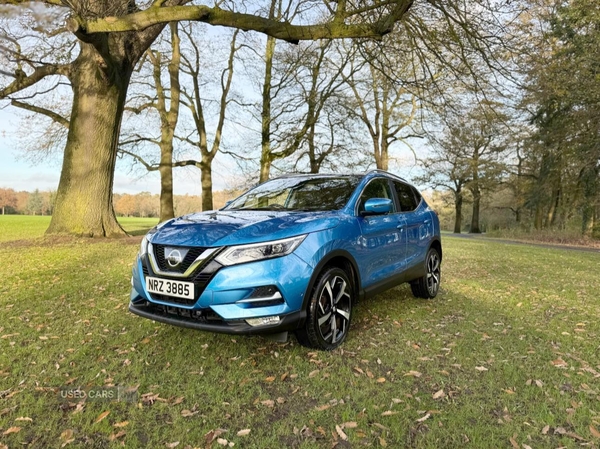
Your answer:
<point x="200" y="280"/>
<point x="192" y="254"/>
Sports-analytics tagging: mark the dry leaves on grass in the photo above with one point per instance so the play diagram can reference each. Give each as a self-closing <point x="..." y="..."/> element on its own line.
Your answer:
<point x="11" y="430"/>
<point x="101" y="416"/>
<point x="66" y="437"/>
<point x="439" y="394"/>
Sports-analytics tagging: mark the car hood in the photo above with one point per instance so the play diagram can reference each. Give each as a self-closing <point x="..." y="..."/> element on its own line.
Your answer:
<point x="224" y="228"/>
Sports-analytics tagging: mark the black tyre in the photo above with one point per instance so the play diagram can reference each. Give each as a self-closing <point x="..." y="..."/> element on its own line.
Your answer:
<point x="329" y="311"/>
<point x="428" y="286"/>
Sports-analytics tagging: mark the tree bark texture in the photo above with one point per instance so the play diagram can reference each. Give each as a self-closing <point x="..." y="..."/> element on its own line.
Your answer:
<point x="84" y="195"/>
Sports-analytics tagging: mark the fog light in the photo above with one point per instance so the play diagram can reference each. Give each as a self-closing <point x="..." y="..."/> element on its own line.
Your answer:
<point x="263" y="321"/>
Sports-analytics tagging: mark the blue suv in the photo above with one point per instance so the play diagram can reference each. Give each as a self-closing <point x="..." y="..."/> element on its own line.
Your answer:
<point x="292" y="254"/>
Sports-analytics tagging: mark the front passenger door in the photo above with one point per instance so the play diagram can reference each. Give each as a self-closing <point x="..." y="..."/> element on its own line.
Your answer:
<point x="382" y="246"/>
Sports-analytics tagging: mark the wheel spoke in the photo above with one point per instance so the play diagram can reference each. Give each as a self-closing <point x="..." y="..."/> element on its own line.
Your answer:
<point x="341" y="293"/>
<point x="333" y="330"/>
<point x="324" y="318"/>
<point x="329" y="290"/>
<point x="343" y="313"/>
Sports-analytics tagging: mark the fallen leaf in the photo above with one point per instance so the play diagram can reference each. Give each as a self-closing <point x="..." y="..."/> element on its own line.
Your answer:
<point x="439" y="394"/>
<point x="101" y="416"/>
<point x="178" y="400"/>
<point x="414" y="374"/>
<point x="424" y="418"/>
<point x="270" y="379"/>
<point x="116" y="436"/>
<point x="121" y="424"/>
<point x="283" y="377"/>
<point x="545" y="430"/>
<point x="12" y="430"/>
<point x="481" y="368"/>
<point x="222" y="441"/>
<point x="67" y="437"/>
<point x="382" y="442"/>
<point x="381" y="380"/>
<point x="187" y="413"/>
<point x="350" y="425"/>
<point x="341" y="433"/>
<point x="243" y="432"/>
<point x="389" y="413"/>
<point x="313" y="373"/>
<point x="514" y="443"/>
<point x="268" y="402"/>
<point x="24" y="418"/>
<point x="211" y="435"/>
<point x="509" y="391"/>
<point x="525" y="446"/>
<point x="594" y="432"/>
<point x="560" y="363"/>
<point x="172" y="445"/>
<point x="322" y="407"/>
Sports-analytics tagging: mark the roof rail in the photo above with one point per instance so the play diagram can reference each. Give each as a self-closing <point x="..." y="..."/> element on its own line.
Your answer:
<point x="378" y="170"/>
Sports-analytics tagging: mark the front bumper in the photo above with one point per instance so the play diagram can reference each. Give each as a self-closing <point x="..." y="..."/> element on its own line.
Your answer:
<point x="178" y="317"/>
<point x="226" y="297"/>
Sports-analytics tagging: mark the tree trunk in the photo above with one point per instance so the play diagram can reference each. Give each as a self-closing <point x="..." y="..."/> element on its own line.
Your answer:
<point x="84" y="196"/>
<point x="166" y="181"/>
<point x="476" y="208"/>
<point x="458" y="202"/>
<point x="206" y="180"/>
<point x="265" y="157"/>
<point x="589" y="180"/>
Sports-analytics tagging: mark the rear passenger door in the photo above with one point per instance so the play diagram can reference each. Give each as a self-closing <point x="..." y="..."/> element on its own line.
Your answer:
<point x="416" y="220"/>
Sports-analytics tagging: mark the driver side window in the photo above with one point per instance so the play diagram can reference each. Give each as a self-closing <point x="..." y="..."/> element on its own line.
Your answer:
<point x="377" y="188"/>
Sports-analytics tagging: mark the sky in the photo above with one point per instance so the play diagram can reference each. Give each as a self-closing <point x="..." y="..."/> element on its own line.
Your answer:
<point x="19" y="173"/>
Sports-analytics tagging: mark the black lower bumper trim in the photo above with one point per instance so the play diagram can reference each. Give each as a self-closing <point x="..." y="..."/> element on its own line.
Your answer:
<point x="288" y="322"/>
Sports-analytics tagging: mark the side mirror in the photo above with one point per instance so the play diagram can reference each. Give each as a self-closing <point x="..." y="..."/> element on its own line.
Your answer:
<point x="377" y="206"/>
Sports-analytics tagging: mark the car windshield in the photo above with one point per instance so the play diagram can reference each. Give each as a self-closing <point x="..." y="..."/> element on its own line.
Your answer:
<point x="298" y="194"/>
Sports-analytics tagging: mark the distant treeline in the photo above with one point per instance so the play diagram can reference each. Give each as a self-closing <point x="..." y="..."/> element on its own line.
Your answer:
<point x="143" y="204"/>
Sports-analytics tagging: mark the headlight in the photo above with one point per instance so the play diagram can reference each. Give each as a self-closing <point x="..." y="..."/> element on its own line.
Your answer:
<point x="144" y="246"/>
<point x="145" y="240"/>
<point x="259" y="251"/>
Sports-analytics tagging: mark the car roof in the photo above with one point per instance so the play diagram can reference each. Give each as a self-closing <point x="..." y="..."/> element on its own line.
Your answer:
<point x="370" y="174"/>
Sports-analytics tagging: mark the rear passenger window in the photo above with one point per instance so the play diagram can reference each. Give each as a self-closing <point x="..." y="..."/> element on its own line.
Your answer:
<point x="406" y="196"/>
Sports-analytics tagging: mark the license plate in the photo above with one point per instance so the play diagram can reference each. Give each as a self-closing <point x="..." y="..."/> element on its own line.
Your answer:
<point x="168" y="287"/>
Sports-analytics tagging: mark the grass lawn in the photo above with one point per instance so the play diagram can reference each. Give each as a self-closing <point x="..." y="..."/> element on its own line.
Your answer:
<point x="508" y="355"/>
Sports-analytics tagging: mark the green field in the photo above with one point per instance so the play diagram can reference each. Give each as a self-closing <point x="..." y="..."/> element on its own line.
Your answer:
<point x="507" y="356"/>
